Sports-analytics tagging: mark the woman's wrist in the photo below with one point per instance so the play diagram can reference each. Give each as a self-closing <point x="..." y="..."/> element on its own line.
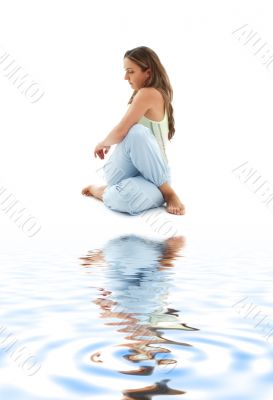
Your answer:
<point x="103" y="143"/>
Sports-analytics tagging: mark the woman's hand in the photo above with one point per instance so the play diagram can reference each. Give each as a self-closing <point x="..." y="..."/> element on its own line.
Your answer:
<point x="101" y="150"/>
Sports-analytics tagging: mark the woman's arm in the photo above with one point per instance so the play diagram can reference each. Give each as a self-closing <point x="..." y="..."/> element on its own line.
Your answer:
<point x="115" y="136"/>
<point x="140" y="104"/>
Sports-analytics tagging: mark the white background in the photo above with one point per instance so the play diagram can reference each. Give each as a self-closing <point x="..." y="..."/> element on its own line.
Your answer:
<point x="74" y="50"/>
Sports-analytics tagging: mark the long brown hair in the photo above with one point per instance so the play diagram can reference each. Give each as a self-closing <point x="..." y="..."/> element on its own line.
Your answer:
<point x="146" y="58"/>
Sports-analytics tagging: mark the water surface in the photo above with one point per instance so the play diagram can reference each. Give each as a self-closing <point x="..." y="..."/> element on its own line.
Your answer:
<point x="134" y="319"/>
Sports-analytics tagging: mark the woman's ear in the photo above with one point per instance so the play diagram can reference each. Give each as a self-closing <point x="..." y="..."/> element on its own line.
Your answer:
<point x="148" y="74"/>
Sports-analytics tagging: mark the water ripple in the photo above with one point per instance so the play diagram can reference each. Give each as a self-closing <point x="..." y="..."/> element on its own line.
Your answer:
<point x="135" y="319"/>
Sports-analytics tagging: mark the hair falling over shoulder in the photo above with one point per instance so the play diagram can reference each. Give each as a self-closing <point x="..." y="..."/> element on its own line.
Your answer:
<point x="146" y="58"/>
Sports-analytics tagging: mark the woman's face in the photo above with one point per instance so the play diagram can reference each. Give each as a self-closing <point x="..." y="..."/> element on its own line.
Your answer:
<point x="134" y="74"/>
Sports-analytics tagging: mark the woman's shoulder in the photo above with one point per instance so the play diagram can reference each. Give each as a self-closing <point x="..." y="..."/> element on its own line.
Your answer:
<point x="153" y="95"/>
<point x="156" y="111"/>
<point x="152" y="91"/>
<point x="150" y="95"/>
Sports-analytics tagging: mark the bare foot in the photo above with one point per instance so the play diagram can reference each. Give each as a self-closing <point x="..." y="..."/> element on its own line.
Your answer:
<point x="87" y="191"/>
<point x="93" y="190"/>
<point x="174" y="205"/>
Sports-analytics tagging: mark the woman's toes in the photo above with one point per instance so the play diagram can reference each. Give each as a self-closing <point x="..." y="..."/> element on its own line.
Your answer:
<point x="87" y="191"/>
<point x="175" y="210"/>
<point x="171" y="210"/>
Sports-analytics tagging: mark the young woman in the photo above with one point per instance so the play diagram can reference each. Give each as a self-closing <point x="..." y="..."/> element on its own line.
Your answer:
<point x="137" y="173"/>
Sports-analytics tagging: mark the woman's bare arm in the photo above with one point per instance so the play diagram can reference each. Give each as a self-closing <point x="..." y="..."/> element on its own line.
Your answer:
<point x="115" y="136"/>
<point x="140" y="104"/>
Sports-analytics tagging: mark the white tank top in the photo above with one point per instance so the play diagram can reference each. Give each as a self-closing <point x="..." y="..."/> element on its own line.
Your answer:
<point x="160" y="130"/>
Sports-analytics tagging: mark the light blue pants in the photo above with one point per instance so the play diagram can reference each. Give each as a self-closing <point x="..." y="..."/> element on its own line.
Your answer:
<point x="134" y="171"/>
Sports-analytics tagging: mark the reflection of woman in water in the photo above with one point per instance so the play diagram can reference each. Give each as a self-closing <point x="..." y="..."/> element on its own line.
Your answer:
<point x="137" y="281"/>
<point x="138" y="174"/>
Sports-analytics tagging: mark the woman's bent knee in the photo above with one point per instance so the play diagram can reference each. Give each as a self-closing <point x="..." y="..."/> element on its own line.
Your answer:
<point x="136" y="131"/>
<point x="133" y="195"/>
<point x="113" y="200"/>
